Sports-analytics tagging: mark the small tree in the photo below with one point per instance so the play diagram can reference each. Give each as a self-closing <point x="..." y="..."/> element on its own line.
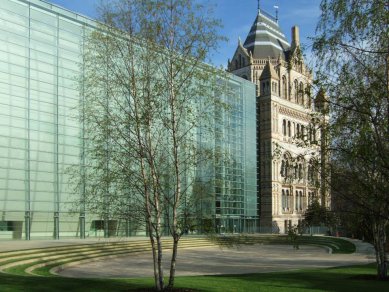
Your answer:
<point x="147" y="97"/>
<point x="319" y="215"/>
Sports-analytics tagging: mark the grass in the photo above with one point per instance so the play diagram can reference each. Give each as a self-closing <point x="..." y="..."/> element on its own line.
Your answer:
<point x="332" y="279"/>
<point x="335" y="279"/>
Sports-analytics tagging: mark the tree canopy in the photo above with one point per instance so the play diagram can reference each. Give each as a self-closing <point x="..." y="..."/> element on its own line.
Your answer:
<point x="147" y="97"/>
<point x="352" y="46"/>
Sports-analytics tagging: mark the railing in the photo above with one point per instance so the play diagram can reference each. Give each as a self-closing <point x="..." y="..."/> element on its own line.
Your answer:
<point x="268" y="15"/>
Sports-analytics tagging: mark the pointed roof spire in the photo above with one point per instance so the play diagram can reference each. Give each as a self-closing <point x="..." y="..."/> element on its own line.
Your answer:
<point x="265" y="37"/>
<point x="269" y="72"/>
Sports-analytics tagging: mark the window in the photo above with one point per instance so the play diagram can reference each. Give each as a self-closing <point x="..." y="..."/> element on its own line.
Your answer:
<point x="284" y="87"/>
<point x="296" y="85"/>
<point x="301" y="93"/>
<point x="296" y="205"/>
<point x="301" y="201"/>
<point x="6" y="226"/>
<point x="97" y="225"/>
<point x="295" y="171"/>
<point x="289" y="129"/>
<point x="298" y="130"/>
<point x="283" y="198"/>
<point x="283" y="166"/>
<point x="284" y="127"/>
<point x="314" y="135"/>
<point x="287" y="200"/>
<point x="287" y="168"/>
<point x="300" y="171"/>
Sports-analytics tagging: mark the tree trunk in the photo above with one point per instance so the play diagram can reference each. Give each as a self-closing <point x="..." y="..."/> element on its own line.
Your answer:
<point x="379" y="245"/>
<point x="155" y="262"/>
<point x="173" y="261"/>
<point x="159" y="262"/>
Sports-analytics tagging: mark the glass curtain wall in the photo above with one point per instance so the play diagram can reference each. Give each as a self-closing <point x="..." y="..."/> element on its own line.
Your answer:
<point x="235" y="174"/>
<point x="41" y="136"/>
<point x="40" y="55"/>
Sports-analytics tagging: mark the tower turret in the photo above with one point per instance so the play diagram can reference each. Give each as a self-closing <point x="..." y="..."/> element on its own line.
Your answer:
<point x="269" y="80"/>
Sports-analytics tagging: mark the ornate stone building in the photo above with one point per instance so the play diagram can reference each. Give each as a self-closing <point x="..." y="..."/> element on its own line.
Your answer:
<point x="288" y="151"/>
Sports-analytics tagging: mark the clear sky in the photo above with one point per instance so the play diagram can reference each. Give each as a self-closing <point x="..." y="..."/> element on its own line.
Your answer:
<point x="237" y="17"/>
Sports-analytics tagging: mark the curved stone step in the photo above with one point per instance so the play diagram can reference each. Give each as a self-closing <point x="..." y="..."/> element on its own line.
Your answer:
<point x="42" y="257"/>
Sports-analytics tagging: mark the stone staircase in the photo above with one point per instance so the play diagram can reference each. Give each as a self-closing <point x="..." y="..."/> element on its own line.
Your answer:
<point x="48" y="261"/>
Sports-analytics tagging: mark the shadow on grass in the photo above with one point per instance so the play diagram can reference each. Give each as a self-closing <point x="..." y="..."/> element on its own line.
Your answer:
<point x="339" y="279"/>
<point x="32" y="283"/>
<point x="333" y="279"/>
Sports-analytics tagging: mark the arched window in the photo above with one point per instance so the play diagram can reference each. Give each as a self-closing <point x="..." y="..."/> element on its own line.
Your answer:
<point x="284" y="87"/>
<point x="287" y="199"/>
<point x="296" y="88"/>
<point x="314" y="135"/>
<point x="283" y="166"/>
<point x="300" y="171"/>
<point x="296" y="205"/>
<point x="311" y="172"/>
<point x="289" y="129"/>
<point x="298" y="130"/>
<point x="236" y="64"/>
<point x="283" y="200"/>
<point x="309" y="103"/>
<point x="302" y="131"/>
<point x="295" y="171"/>
<point x="301" y="201"/>
<point x="284" y="127"/>
<point x="287" y="168"/>
<point x="301" y="93"/>
<point x="274" y="88"/>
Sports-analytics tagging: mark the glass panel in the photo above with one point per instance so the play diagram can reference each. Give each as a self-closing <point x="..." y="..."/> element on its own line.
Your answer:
<point x="15" y="7"/>
<point x="43" y="16"/>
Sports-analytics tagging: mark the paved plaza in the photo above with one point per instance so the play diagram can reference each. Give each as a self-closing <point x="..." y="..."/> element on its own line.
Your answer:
<point x="215" y="260"/>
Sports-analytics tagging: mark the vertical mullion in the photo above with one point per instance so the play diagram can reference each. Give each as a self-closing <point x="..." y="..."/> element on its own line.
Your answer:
<point x="28" y="170"/>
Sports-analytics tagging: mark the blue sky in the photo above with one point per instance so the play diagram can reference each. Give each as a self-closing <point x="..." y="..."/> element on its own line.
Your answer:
<point x="237" y="17"/>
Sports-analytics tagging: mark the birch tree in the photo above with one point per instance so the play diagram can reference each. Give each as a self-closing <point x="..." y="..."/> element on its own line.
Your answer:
<point x="148" y="115"/>
<point x="352" y="47"/>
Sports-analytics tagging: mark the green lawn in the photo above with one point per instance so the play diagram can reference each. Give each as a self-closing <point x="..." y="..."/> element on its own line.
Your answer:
<point x="333" y="279"/>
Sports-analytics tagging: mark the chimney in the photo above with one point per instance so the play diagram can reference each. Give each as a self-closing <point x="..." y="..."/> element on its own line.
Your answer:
<point x="295" y="36"/>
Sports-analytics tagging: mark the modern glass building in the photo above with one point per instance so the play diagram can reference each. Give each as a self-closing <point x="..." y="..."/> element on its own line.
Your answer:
<point x="40" y="57"/>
